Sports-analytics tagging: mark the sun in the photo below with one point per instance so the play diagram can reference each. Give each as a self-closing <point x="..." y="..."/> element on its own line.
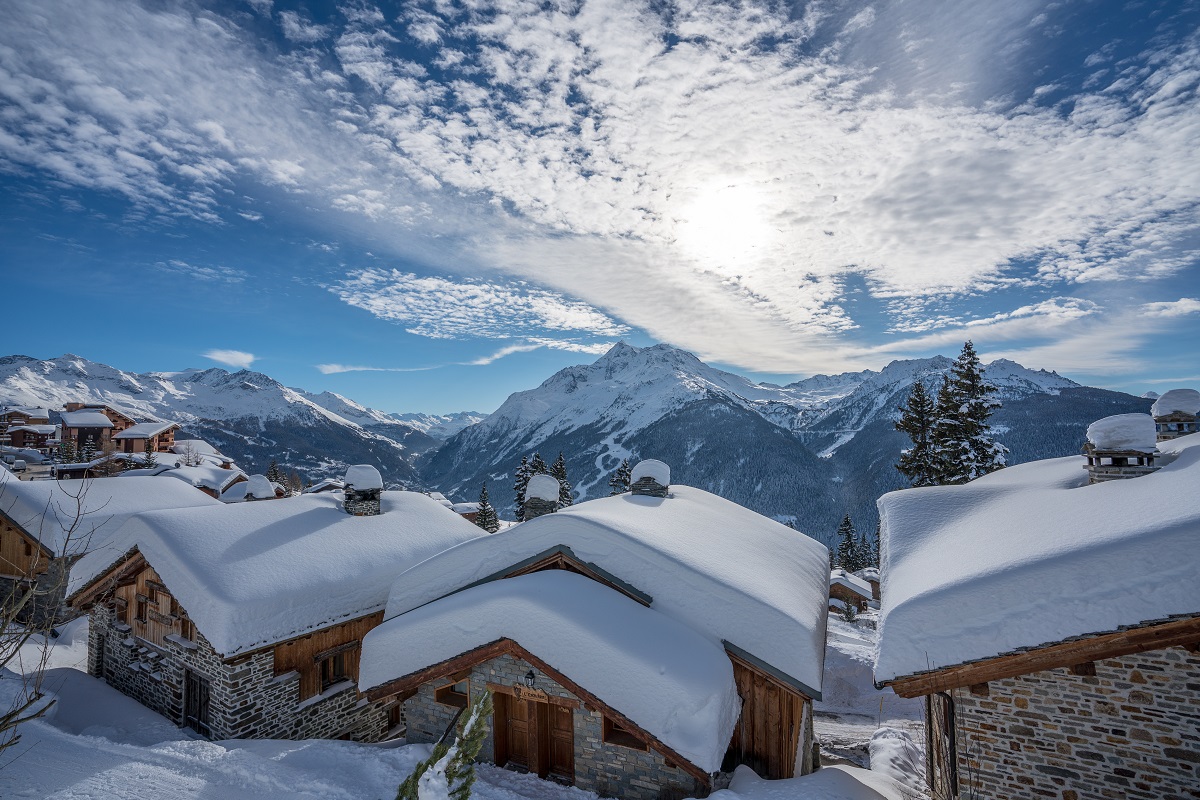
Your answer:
<point x="725" y="226"/>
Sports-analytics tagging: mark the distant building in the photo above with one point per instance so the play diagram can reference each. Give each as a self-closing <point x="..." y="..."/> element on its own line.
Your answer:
<point x="1052" y="625"/>
<point x="1175" y="414"/>
<point x="157" y="437"/>
<point x="847" y="588"/>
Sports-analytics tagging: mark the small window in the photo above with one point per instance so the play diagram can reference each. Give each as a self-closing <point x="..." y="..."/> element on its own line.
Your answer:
<point x="187" y="630"/>
<point x="28" y="549"/>
<point x="141" y="609"/>
<point x="454" y="694"/>
<point x="615" y="733"/>
<point x="333" y="670"/>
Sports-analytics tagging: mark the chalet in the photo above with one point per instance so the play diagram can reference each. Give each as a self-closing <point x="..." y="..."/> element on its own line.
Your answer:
<point x="1052" y="626"/>
<point x="245" y="620"/>
<point x="1176" y="413"/>
<point x="24" y="415"/>
<point x="468" y="511"/>
<point x="871" y="576"/>
<point x="45" y="526"/>
<point x="85" y="428"/>
<point x="847" y="588"/>
<point x="157" y="437"/>
<point x="28" y="428"/>
<point x="326" y="485"/>
<point x="635" y="646"/>
<point x="256" y="487"/>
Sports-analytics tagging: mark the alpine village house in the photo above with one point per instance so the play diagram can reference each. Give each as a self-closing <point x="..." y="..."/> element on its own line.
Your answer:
<point x="1049" y="615"/>
<point x="635" y="646"/>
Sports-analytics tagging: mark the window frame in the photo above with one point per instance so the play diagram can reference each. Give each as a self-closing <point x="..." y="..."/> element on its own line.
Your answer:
<point x="614" y="733"/>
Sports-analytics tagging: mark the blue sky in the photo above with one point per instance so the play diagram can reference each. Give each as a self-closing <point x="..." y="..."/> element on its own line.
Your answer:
<point x="426" y="206"/>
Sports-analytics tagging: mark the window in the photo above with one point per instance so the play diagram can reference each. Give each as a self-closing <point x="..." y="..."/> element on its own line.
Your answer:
<point x="141" y="608"/>
<point x="333" y="670"/>
<point x="615" y="733"/>
<point x="187" y="630"/>
<point x="454" y="694"/>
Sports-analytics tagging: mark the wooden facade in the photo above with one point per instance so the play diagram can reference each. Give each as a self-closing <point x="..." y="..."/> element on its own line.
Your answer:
<point x="846" y="595"/>
<point x="22" y="557"/>
<point x="325" y="657"/>
<point x="772" y="724"/>
<point x="144" y="603"/>
<point x="534" y="732"/>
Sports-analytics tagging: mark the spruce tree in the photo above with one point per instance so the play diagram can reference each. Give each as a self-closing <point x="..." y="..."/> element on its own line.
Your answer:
<point x="558" y="471"/>
<point x="620" y="480"/>
<point x="847" y="545"/>
<point x="961" y="434"/>
<point x="487" y="518"/>
<point x="537" y="466"/>
<point x="88" y="452"/>
<point x="449" y="772"/>
<point x="273" y="473"/>
<point x="919" y="463"/>
<point x="150" y="460"/>
<point x="66" y="451"/>
<point x="520" y="481"/>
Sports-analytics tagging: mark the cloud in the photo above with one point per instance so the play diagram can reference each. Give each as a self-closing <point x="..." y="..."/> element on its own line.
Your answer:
<point x="1172" y="308"/>
<point x="214" y="273"/>
<point x="233" y="358"/>
<point x="441" y="308"/>
<point x="298" y="29"/>
<point x="597" y="348"/>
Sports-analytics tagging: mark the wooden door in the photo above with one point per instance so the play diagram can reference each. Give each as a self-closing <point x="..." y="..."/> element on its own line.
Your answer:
<point x="514" y="733"/>
<point x="195" y="703"/>
<point x="532" y="736"/>
<point x="561" y="755"/>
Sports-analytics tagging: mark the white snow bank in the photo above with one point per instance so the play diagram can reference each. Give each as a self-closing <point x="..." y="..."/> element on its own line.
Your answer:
<point x="252" y="574"/>
<point x="197" y="447"/>
<point x="849" y="684"/>
<point x="1031" y="555"/>
<point x="89" y="512"/>
<point x="670" y="680"/>
<point x="363" y="477"/>
<point x="650" y="468"/>
<point x="258" y="487"/>
<point x="1185" y="400"/>
<point x="543" y="487"/>
<point x="209" y="476"/>
<point x="719" y="568"/>
<point x="1123" y="432"/>
<point x="895" y="754"/>
<point x="830" y="783"/>
<point x="840" y="577"/>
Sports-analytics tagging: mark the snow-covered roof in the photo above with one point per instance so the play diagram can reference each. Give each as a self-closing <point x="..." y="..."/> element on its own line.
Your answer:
<point x="670" y="680"/>
<point x="543" y="487"/>
<point x="650" y="468"/>
<point x="363" y="477"/>
<point x="144" y="430"/>
<point x="256" y="486"/>
<point x="868" y="574"/>
<point x="48" y="510"/>
<point x="441" y="498"/>
<point x="196" y="446"/>
<point x="252" y="574"/>
<point x="850" y="581"/>
<point x="85" y="419"/>
<point x="1032" y="555"/>
<point x="720" y="568"/>
<point x="466" y="508"/>
<point x="29" y="411"/>
<point x="1123" y="432"/>
<point x="326" y="485"/>
<point x="1185" y="400"/>
<point x="209" y="476"/>
<point x="40" y="429"/>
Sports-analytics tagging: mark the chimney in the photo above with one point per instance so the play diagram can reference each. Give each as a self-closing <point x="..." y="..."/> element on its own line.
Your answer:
<point x="1176" y="413"/>
<point x="650" y="478"/>
<point x="364" y="485"/>
<point x="1120" y="447"/>
<point x="259" y="488"/>
<point x="541" y="496"/>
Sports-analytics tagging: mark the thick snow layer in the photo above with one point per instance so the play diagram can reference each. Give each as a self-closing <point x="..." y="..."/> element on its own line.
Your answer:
<point x="850" y="581"/>
<point x="144" y="430"/>
<point x="326" y="485"/>
<point x="650" y="468"/>
<point x="719" y="568"/>
<point x="210" y="476"/>
<point x="543" y="487"/>
<point x="1032" y="555"/>
<point x="466" y="508"/>
<point x="89" y="512"/>
<point x="869" y="574"/>
<point x="831" y="783"/>
<point x="1185" y="400"/>
<point x="894" y="753"/>
<point x="85" y="419"/>
<point x="195" y="446"/>
<point x="1123" y="432"/>
<point x="670" y="680"/>
<point x="258" y="487"/>
<point x="252" y="574"/>
<point x="363" y="477"/>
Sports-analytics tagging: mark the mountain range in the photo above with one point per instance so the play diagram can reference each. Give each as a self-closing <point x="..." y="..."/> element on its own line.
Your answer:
<point x="806" y="453"/>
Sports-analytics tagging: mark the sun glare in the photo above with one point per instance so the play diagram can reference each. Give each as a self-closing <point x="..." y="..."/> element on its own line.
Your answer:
<point x="725" y="226"/>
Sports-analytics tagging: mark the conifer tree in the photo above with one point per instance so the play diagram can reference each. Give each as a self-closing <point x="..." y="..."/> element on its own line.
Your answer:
<point x="919" y="463"/>
<point x="520" y="481"/>
<point x="847" y="545"/>
<point x="88" y="452"/>
<point x="620" y="480"/>
<point x="150" y="459"/>
<point x="487" y="518"/>
<point x="273" y="473"/>
<point x="537" y="466"/>
<point x="961" y="434"/>
<point x="66" y="451"/>
<point x="558" y="471"/>
<point x="449" y="772"/>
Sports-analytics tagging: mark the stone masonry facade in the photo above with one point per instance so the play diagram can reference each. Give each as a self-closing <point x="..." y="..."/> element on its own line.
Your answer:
<point x="1131" y="731"/>
<point x="610" y="770"/>
<point x="247" y="700"/>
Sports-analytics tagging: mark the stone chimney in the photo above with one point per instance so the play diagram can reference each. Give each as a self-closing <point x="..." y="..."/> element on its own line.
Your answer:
<point x="364" y="485"/>
<point x="1176" y="413"/>
<point x="650" y="478"/>
<point x="1120" y="447"/>
<point x="541" y="496"/>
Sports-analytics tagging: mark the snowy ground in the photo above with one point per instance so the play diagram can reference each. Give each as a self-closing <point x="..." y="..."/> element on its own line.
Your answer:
<point x="98" y="744"/>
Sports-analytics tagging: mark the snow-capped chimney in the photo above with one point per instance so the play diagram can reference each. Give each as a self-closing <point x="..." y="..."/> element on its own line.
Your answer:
<point x="364" y="485"/>
<point x="1175" y="414"/>
<point x="1121" y="446"/>
<point x="259" y="488"/>
<point x="541" y="496"/>
<point x="650" y="478"/>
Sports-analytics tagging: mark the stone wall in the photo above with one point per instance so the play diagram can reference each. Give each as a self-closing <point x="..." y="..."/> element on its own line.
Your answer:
<point x="1131" y="731"/>
<point x="609" y="770"/>
<point x="247" y="701"/>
